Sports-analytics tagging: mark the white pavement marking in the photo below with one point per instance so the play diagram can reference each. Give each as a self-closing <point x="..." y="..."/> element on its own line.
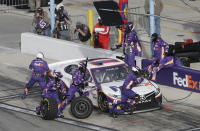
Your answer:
<point x="195" y="129"/>
<point x="63" y="120"/>
<point x="10" y="49"/>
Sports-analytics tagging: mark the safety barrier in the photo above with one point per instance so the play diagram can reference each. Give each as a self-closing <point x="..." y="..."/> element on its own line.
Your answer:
<point x="60" y="49"/>
<point x="177" y="77"/>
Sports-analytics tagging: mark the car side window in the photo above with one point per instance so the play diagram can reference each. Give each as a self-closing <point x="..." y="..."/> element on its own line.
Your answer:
<point x="71" y="68"/>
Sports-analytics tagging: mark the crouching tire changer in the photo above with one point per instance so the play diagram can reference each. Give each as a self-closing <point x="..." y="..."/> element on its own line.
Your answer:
<point x="50" y="106"/>
<point x="128" y="97"/>
<point x="81" y="106"/>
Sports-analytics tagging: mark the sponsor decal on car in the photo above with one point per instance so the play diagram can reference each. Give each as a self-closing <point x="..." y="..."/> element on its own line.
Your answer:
<point x="185" y="82"/>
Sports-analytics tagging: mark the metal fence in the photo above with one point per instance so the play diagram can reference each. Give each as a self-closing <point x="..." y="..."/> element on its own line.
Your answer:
<point x="140" y="20"/>
<point x="6" y="5"/>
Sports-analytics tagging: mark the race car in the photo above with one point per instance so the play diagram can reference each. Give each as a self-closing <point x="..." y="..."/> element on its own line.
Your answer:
<point x="107" y="75"/>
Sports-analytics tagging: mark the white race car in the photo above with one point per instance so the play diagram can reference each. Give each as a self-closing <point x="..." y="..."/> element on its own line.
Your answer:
<point x="107" y="75"/>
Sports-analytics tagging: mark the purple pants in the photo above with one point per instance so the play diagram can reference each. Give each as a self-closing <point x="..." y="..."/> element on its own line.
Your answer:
<point x="130" y="59"/>
<point x="166" y="62"/>
<point x="127" y="94"/>
<point x="39" y="79"/>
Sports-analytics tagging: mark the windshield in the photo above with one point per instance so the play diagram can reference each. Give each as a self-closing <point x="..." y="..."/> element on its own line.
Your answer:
<point x="110" y="74"/>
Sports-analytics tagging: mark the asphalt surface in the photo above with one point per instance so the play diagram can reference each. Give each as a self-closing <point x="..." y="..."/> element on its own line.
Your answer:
<point x="175" y="116"/>
<point x="181" y="115"/>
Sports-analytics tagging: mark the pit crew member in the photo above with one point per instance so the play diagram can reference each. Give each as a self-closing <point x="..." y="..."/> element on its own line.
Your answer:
<point x="39" y="68"/>
<point x="55" y="88"/>
<point x="128" y="96"/>
<point x="131" y="38"/>
<point x="160" y="60"/>
<point x="79" y="81"/>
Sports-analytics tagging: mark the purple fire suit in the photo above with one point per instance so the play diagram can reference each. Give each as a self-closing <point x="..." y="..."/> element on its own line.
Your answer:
<point x="135" y="49"/>
<point x="52" y="91"/>
<point x="39" y="68"/>
<point x="160" y="49"/>
<point x="78" y="80"/>
<point x="127" y="95"/>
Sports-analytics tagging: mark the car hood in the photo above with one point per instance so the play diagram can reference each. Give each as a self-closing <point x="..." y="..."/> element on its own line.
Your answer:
<point x="113" y="88"/>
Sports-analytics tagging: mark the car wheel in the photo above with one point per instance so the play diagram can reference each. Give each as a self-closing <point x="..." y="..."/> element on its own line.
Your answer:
<point x="81" y="107"/>
<point x="103" y="102"/>
<point x="49" y="108"/>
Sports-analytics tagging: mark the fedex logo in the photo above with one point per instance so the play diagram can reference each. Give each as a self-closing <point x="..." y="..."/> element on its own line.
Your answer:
<point x="186" y="82"/>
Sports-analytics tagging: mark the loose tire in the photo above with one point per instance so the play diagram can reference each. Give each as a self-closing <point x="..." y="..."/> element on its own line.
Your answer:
<point x="102" y="102"/>
<point x="81" y="107"/>
<point x="49" y="108"/>
<point x="185" y="61"/>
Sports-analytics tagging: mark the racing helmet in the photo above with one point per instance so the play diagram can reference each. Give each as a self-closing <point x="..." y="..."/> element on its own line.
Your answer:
<point x="40" y="11"/>
<point x="135" y="71"/>
<point x="129" y="27"/>
<point x="58" y="74"/>
<point x="40" y="55"/>
<point x="82" y="66"/>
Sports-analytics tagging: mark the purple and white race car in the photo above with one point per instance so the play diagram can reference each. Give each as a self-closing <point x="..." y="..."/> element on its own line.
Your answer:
<point x="106" y="77"/>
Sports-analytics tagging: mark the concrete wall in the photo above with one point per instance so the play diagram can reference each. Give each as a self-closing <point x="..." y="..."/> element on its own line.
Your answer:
<point x="60" y="49"/>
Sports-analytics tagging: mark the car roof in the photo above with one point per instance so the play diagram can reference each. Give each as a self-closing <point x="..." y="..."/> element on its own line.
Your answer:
<point x="102" y="62"/>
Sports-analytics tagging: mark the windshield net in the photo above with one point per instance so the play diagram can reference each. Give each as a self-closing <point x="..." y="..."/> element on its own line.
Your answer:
<point x="110" y="74"/>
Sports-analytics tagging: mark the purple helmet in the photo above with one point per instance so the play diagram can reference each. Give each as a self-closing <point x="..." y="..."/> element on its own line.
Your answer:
<point x="130" y="27"/>
<point x="82" y="64"/>
<point x="58" y="74"/>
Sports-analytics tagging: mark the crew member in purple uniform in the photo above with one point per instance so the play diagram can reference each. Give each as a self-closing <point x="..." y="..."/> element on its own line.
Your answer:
<point x="54" y="87"/>
<point x="133" y="44"/>
<point x="39" y="68"/>
<point x="160" y="60"/>
<point x="79" y="80"/>
<point x="128" y="96"/>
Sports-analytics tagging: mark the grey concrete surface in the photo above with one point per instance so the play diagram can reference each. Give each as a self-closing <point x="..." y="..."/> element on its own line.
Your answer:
<point x="14" y="121"/>
<point x="177" y="115"/>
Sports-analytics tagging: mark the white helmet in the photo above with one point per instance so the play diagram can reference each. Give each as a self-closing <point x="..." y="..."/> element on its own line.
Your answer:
<point x="134" y="69"/>
<point x="40" y="55"/>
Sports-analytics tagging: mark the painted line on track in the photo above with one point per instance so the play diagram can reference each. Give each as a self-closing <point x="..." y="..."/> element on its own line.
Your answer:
<point x="62" y="120"/>
<point x="194" y="129"/>
<point x="10" y="49"/>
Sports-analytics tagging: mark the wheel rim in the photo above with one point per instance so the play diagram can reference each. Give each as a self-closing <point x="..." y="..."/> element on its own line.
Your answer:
<point x="104" y="103"/>
<point x="44" y="109"/>
<point x="81" y="108"/>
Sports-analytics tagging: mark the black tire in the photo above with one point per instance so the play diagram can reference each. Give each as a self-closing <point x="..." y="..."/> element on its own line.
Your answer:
<point x="103" y="102"/>
<point x="81" y="107"/>
<point x="185" y="61"/>
<point x="49" y="108"/>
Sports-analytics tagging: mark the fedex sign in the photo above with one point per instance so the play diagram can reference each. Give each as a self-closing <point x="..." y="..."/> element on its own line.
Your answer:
<point x="185" y="82"/>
